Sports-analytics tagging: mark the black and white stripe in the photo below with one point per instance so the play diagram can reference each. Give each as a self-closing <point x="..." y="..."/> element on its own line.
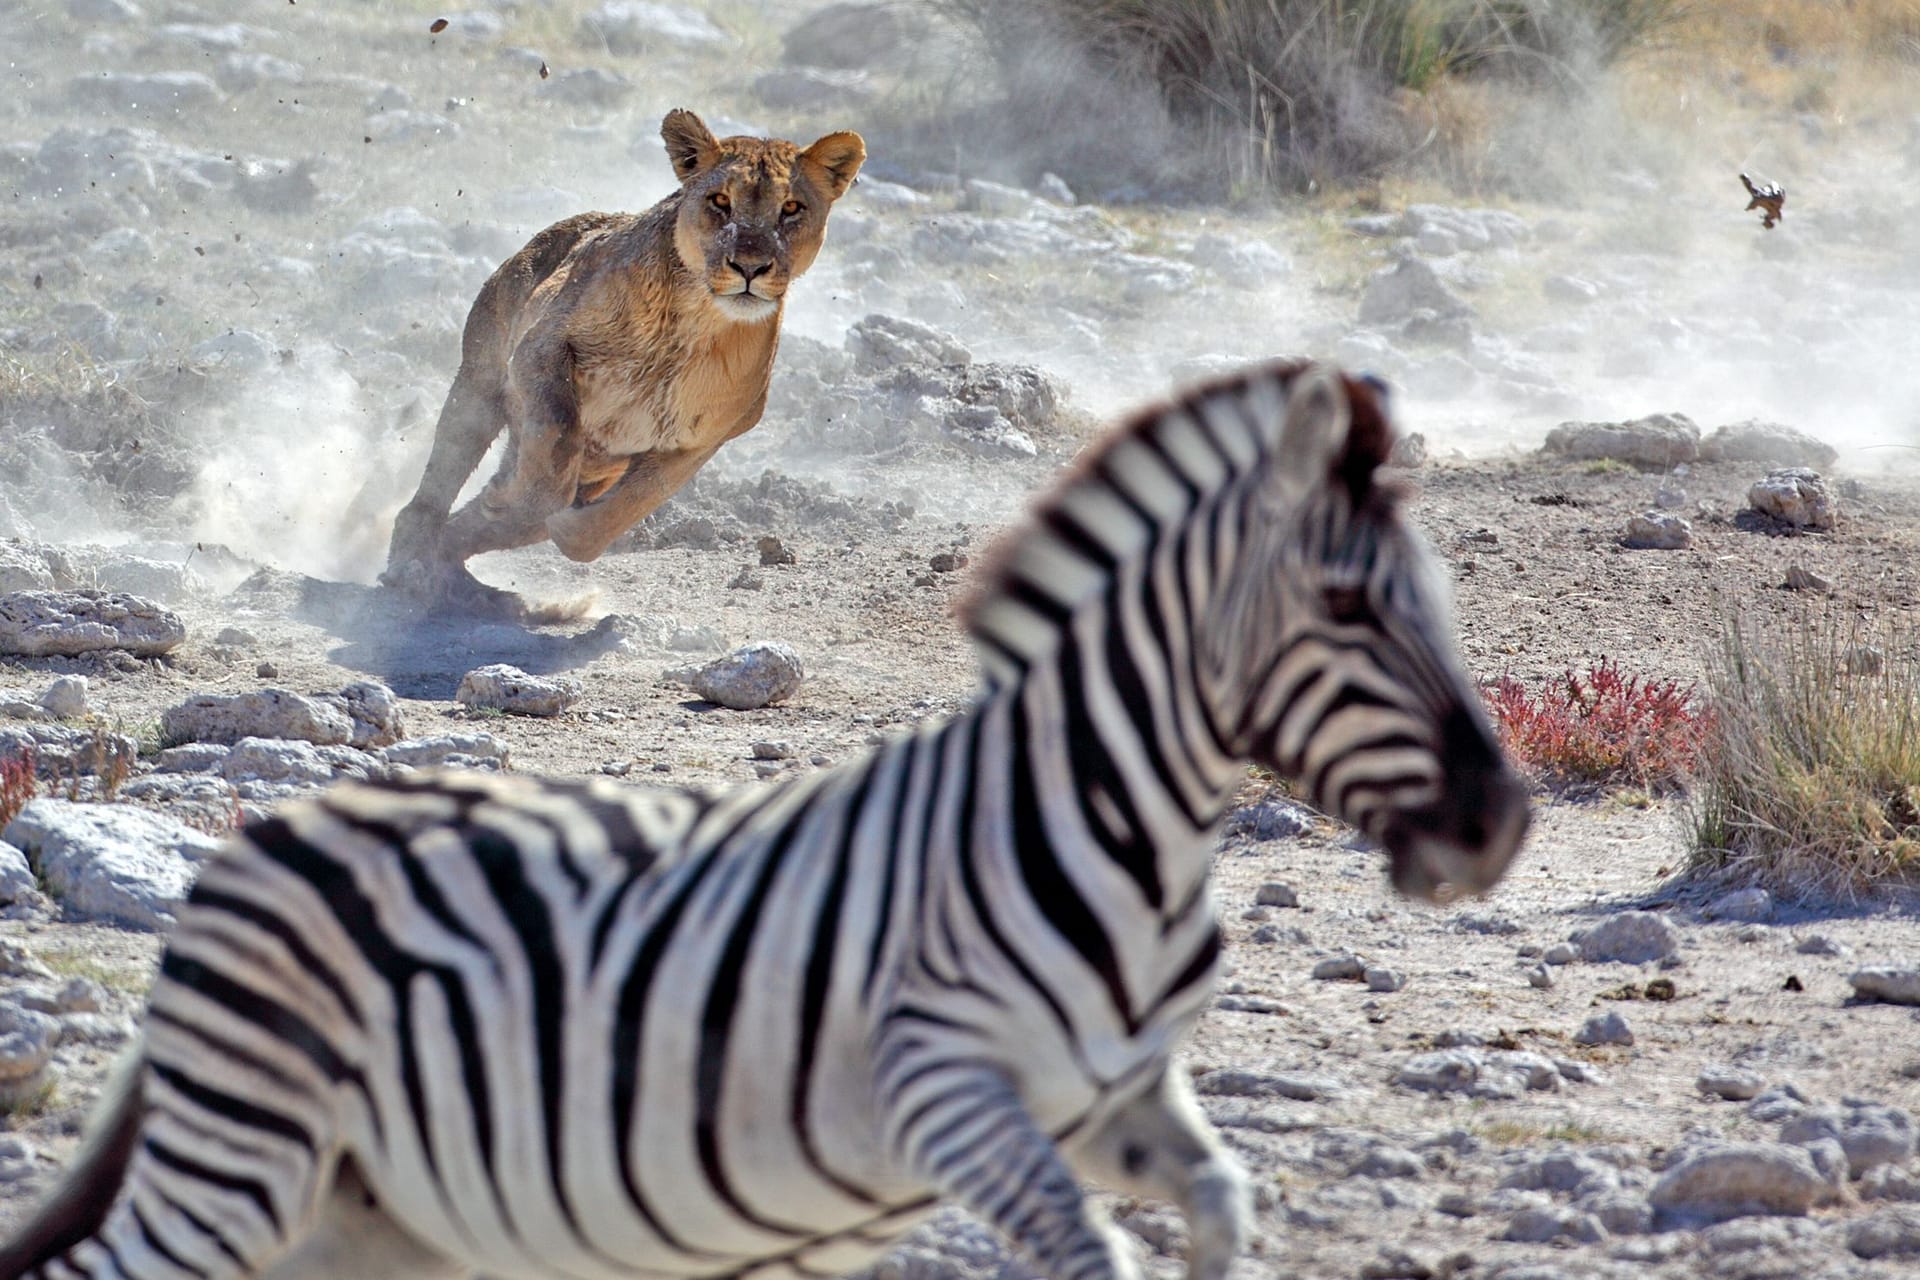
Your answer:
<point x="477" y="1024"/>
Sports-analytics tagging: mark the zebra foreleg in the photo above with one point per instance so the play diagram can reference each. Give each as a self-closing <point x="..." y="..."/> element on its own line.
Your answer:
<point x="968" y="1133"/>
<point x="1161" y="1146"/>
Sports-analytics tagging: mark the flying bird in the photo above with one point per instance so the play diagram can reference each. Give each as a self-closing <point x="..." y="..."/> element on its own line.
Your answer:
<point x="1767" y="198"/>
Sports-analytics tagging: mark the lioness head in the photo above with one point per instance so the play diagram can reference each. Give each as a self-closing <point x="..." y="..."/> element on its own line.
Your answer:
<point x="753" y="210"/>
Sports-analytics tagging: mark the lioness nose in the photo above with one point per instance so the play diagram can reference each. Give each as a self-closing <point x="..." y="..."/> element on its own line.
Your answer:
<point x="750" y="270"/>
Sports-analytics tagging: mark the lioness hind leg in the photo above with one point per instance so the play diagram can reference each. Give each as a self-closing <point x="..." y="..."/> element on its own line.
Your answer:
<point x="469" y="423"/>
<point x="1161" y="1146"/>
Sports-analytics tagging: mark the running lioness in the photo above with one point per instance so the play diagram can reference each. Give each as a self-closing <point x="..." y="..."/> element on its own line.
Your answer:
<point x="619" y="351"/>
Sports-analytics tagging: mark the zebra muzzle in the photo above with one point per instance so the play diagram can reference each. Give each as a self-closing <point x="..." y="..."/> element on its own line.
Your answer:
<point x="1461" y="844"/>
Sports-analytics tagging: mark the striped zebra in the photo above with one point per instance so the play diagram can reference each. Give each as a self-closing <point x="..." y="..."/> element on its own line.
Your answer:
<point x="459" y="1024"/>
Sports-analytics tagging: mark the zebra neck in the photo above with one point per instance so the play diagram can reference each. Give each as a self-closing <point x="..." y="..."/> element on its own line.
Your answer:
<point x="1126" y="773"/>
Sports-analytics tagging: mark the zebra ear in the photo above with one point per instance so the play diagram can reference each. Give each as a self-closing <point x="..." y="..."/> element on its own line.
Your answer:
<point x="1315" y="428"/>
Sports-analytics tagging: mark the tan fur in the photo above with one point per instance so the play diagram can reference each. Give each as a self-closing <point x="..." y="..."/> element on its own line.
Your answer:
<point x="618" y="352"/>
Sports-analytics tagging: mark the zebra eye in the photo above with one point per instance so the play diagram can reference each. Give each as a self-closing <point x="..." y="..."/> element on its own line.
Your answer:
<point x="1348" y="606"/>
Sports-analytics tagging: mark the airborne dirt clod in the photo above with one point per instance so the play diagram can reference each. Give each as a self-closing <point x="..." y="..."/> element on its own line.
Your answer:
<point x="240" y="238"/>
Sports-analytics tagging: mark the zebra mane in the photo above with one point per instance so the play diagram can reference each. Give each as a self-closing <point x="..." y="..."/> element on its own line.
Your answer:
<point x="1172" y="457"/>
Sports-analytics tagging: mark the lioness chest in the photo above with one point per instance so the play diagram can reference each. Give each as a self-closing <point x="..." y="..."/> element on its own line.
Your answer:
<point x="671" y="395"/>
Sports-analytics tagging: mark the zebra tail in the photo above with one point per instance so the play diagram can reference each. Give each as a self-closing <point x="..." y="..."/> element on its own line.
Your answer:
<point x="90" y="1184"/>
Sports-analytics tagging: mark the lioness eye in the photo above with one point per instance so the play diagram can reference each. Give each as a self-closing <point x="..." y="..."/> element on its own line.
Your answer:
<point x="721" y="200"/>
<point x="791" y="207"/>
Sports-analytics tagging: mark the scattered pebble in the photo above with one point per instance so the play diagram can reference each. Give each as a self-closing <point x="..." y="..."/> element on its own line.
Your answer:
<point x="17" y="1157"/>
<point x="1803" y="579"/>
<point x="1605" y="1028"/>
<point x="1742" y="904"/>
<point x="1274" y="893"/>
<point x="500" y="687"/>
<point x="66" y="698"/>
<point x="748" y="678"/>
<point x="1547" y="1223"/>
<point x="1484" y="1073"/>
<point x="1869" y="1133"/>
<point x="1796" y="495"/>
<point x="1890" y="1182"/>
<point x="1889" y="1233"/>
<point x="1345" y="967"/>
<point x="1632" y="937"/>
<point x="1381" y="978"/>
<point x="1658" y="531"/>
<point x="1395" y="1263"/>
<point x="1271" y="819"/>
<point x="1410" y="451"/>
<point x="1237" y="1082"/>
<point x="1890" y="985"/>
<point x="1863" y="660"/>
<point x="1777" y="1102"/>
<point x="1731" y="1083"/>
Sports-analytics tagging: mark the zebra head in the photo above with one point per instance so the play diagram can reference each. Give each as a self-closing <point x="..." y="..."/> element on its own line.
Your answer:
<point x="1341" y="633"/>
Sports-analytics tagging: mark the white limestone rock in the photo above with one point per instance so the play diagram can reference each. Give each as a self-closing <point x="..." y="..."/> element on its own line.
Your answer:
<point x="448" y="749"/>
<point x="1741" y="1179"/>
<point x="749" y="678"/>
<point x="1796" y="495"/>
<point x="1656" y="442"/>
<point x="117" y="862"/>
<point x="41" y="624"/>
<point x="259" y="713"/>
<point x="1632" y="937"/>
<point x="500" y="687"/>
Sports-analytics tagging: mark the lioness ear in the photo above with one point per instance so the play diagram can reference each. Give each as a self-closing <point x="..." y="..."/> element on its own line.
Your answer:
<point x="841" y="155"/>
<point x="690" y="144"/>
<point x="1315" y="428"/>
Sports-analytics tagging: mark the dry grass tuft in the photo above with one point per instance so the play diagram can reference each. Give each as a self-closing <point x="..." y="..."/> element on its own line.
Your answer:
<point x="1748" y="77"/>
<point x="1795" y="31"/>
<point x="1601" y="727"/>
<point x="1811" y="778"/>
<point x="1291" y="93"/>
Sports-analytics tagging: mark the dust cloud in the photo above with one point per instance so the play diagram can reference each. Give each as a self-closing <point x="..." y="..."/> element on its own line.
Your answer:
<point x="274" y="217"/>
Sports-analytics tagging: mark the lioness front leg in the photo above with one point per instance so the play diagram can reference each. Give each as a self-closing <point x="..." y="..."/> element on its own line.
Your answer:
<point x="1161" y="1146"/>
<point x="583" y="532"/>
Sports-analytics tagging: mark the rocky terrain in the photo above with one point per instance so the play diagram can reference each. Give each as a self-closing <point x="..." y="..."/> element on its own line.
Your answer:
<point x="241" y="239"/>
